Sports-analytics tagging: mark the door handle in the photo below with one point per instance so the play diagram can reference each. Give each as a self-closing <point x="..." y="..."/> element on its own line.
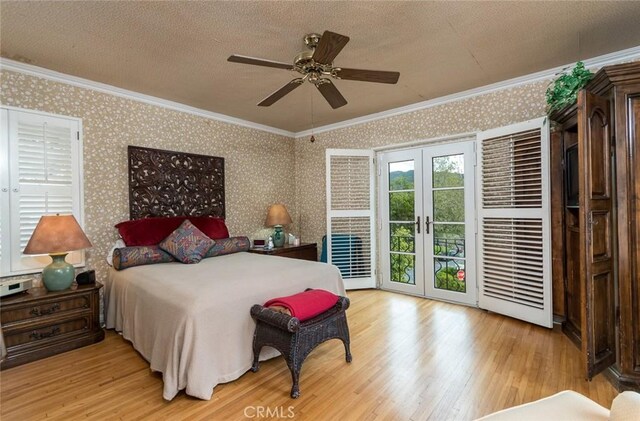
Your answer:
<point x="418" y="225"/>
<point x="426" y="224"/>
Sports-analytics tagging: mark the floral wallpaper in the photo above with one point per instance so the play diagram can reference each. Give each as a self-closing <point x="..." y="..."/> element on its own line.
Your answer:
<point x="258" y="164"/>
<point x="481" y="112"/>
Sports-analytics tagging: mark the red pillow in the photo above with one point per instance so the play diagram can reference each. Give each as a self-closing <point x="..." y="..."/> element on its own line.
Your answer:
<point x="213" y="228"/>
<point x="151" y="231"/>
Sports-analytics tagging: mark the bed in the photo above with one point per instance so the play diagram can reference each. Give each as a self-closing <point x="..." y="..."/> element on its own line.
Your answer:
<point x="192" y="322"/>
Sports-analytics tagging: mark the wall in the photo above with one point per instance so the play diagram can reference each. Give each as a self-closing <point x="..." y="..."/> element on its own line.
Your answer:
<point x="481" y="112"/>
<point x="257" y="164"/>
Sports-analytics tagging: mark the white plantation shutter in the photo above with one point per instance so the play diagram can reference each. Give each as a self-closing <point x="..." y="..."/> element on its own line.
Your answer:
<point x="514" y="222"/>
<point x="350" y="215"/>
<point x="43" y="178"/>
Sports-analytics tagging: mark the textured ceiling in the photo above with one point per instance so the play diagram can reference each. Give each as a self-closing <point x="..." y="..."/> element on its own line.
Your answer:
<point x="178" y="50"/>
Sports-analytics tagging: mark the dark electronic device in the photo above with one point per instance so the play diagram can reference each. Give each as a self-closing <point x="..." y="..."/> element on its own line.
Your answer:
<point x="85" y="278"/>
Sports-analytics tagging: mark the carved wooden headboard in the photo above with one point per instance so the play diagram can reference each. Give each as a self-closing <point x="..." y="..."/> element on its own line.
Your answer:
<point x="166" y="183"/>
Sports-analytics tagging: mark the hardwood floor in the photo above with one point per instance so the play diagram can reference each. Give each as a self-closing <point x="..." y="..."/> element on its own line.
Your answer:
<point x="413" y="359"/>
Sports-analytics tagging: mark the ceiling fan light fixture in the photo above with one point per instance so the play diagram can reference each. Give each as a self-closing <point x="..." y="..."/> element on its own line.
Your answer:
<point x="314" y="63"/>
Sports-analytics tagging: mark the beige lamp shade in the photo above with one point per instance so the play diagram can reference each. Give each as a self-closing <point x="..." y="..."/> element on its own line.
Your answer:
<point x="57" y="234"/>
<point x="277" y="215"/>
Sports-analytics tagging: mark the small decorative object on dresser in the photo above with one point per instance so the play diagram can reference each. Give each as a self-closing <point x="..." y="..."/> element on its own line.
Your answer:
<point x="277" y="216"/>
<point x="86" y="278"/>
<point x="41" y="323"/>
<point x="57" y="235"/>
<point x="304" y="251"/>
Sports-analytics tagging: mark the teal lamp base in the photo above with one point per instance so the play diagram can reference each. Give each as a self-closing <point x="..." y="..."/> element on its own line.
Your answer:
<point x="59" y="274"/>
<point x="278" y="236"/>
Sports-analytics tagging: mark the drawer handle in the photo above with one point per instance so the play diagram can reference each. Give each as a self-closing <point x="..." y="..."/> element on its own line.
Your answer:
<point x="36" y="311"/>
<point x="35" y="335"/>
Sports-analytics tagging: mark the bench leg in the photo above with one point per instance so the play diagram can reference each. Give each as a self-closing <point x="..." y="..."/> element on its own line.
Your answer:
<point x="256" y="359"/>
<point x="295" y="387"/>
<point x="344" y="337"/>
<point x="347" y="351"/>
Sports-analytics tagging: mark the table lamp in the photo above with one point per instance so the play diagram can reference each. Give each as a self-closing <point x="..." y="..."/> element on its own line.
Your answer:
<point x="57" y="235"/>
<point x="277" y="216"/>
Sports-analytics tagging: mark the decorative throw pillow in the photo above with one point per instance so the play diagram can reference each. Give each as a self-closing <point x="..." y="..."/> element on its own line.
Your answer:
<point x="127" y="257"/>
<point x="187" y="243"/>
<point x="118" y="245"/>
<point x="212" y="227"/>
<point x="228" y="246"/>
<point x="151" y="231"/>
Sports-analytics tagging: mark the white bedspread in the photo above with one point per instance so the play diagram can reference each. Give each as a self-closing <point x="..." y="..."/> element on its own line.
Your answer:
<point x="192" y="322"/>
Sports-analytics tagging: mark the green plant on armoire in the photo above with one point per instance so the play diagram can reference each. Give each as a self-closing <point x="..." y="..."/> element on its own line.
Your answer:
<point x="563" y="91"/>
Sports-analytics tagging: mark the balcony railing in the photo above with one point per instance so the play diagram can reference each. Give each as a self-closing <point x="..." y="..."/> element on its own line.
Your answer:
<point x="448" y="267"/>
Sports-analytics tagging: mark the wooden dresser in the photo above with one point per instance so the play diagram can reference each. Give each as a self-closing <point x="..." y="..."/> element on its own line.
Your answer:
<point x="305" y="251"/>
<point x="39" y="323"/>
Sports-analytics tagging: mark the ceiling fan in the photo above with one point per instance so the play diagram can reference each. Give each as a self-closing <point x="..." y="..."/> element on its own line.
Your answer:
<point x="316" y="66"/>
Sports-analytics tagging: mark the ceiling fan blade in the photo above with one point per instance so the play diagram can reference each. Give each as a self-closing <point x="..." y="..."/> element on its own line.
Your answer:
<point x="331" y="94"/>
<point x="329" y="47"/>
<point x="271" y="99"/>
<point x="259" y="62"/>
<point x="378" y="76"/>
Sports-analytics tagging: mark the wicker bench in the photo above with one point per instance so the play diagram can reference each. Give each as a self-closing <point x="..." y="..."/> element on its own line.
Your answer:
<point x="294" y="339"/>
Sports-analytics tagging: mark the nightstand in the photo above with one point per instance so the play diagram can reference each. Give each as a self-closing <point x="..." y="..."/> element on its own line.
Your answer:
<point x="38" y="323"/>
<point x="305" y="251"/>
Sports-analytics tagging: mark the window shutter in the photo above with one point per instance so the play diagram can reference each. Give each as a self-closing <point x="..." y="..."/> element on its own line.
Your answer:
<point x="514" y="222"/>
<point x="350" y="216"/>
<point x="44" y="173"/>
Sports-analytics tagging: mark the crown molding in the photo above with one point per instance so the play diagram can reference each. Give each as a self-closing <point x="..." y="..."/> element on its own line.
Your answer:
<point x="29" y="69"/>
<point x="595" y="62"/>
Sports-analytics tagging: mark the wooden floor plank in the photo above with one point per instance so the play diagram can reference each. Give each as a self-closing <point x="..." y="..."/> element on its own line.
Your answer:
<point x="414" y="359"/>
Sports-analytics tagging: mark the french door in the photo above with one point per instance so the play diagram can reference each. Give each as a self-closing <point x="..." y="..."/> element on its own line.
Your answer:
<point x="427" y="210"/>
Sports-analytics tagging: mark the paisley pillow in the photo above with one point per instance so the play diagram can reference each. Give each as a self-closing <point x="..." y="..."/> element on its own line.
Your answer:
<point x="127" y="257"/>
<point x="228" y="246"/>
<point x="187" y="243"/>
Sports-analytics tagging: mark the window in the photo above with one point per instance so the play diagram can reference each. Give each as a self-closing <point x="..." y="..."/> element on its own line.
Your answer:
<point x="40" y="173"/>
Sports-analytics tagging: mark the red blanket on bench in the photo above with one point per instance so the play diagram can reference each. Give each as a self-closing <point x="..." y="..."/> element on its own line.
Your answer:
<point x="306" y="305"/>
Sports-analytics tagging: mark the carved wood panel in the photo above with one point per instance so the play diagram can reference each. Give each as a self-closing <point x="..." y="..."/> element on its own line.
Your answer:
<point x="167" y="183"/>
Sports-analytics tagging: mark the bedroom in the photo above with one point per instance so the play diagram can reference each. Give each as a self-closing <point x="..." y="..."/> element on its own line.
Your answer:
<point x="138" y="74"/>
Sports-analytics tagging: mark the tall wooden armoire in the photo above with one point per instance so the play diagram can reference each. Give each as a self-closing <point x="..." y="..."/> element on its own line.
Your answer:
<point x="595" y="160"/>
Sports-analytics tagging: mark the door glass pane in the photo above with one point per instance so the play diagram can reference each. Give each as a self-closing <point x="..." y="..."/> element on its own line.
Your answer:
<point x="449" y="274"/>
<point x="448" y="240"/>
<point x="448" y="205"/>
<point x="402" y="238"/>
<point x="401" y="205"/>
<point x="401" y="175"/>
<point x="403" y="268"/>
<point x="448" y="171"/>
